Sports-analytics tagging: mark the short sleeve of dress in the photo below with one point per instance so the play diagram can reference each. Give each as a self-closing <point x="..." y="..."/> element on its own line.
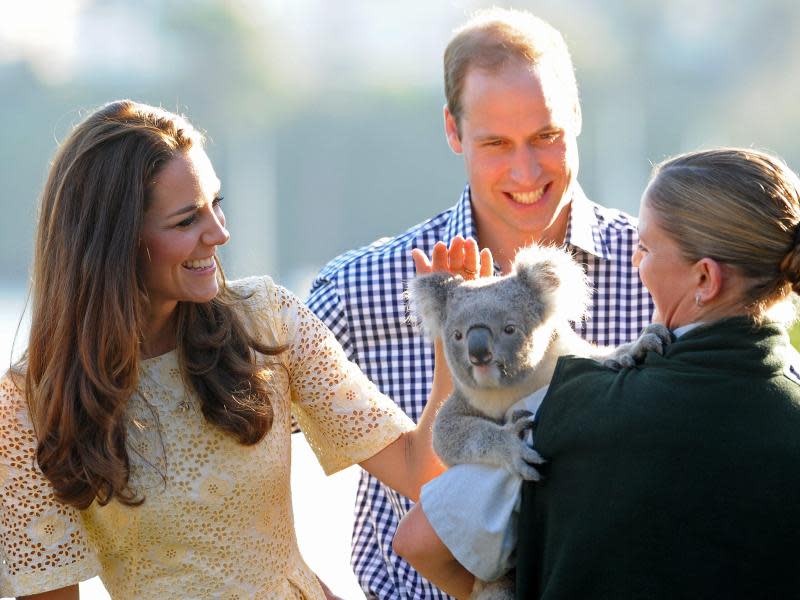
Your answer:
<point x="42" y="542"/>
<point x="340" y="411"/>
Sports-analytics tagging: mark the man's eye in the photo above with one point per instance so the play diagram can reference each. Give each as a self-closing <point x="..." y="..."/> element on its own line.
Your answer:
<point x="641" y="248"/>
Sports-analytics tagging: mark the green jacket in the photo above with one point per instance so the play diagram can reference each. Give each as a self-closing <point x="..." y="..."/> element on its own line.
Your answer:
<point x="676" y="479"/>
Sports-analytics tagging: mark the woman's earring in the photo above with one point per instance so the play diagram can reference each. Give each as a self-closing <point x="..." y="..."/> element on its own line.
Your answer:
<point x="147" y="250"/>
<point x="697" y="300"/>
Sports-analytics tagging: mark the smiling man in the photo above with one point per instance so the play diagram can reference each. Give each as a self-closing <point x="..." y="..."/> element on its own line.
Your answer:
<point x="512" y="112"/>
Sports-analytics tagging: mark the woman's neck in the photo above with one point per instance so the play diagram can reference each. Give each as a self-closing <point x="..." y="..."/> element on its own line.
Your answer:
<point x="159" y="334"/>
<point x="709" y="314"/>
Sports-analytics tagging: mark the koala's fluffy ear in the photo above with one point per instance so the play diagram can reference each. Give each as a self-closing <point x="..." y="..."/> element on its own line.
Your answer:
<point x="555" y="274"/>
<point x="428" y="295"/>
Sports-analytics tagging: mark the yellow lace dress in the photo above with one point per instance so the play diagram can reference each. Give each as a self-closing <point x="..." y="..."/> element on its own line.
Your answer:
<point x="217" y="519"/>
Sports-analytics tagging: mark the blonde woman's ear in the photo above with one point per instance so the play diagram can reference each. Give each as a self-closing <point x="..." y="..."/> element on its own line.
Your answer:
<point x="711" y="279"/>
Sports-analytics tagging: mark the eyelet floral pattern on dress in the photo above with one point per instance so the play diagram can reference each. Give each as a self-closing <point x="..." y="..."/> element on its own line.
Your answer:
<point x="217" y="517"/>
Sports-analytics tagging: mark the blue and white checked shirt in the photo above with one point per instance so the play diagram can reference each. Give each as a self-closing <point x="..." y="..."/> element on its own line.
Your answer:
<point x="360" y="297"/>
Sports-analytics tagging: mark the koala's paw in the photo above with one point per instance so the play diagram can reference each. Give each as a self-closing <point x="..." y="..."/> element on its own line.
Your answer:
<point x="519" y="456"/>
<point x="654" y="338"/>
<point x="502" y="589"/>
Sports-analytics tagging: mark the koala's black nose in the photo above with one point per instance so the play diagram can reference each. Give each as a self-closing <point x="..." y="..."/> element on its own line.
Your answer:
<point x="479" y="345"/>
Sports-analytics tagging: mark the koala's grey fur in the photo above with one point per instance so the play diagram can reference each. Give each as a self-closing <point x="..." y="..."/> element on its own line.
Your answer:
<point x="502" y="337"/>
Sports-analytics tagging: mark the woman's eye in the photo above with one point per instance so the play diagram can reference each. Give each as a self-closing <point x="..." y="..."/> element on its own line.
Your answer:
<point x="217" y="200"/>
<point x="641" y="248"/>
<point x="187" y="221"/>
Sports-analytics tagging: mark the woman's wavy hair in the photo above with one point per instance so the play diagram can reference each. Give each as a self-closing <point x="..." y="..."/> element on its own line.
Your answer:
<point x="89" y="310"/>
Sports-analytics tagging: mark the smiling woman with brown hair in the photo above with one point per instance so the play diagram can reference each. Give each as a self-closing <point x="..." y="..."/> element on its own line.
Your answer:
<point x="145" y="435"/>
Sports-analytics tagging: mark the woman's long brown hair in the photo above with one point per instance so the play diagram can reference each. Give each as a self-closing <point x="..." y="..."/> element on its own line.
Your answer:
<point x="89" y="307"/>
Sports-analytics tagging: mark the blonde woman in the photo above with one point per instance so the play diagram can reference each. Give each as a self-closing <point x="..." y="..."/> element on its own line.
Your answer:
<point x="677" y="478"/>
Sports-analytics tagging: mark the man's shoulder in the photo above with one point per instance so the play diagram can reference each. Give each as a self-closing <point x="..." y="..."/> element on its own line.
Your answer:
<point x="611" y="232"/>
<point x="614" y="219"/>
<point x="384" y="252"/>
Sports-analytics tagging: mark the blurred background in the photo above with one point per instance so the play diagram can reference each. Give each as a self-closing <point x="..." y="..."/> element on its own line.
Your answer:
<point x="324" y="123"/>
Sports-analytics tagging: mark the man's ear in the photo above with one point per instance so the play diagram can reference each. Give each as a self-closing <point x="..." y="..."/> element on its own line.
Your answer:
<point x="451" y="131"/>
<point x="578" y="118"/>
<point x="709" y="279"/>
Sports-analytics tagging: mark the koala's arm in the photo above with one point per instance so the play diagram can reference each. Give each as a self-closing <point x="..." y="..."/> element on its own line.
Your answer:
<point x="654" y="338"/>
<point x="461" y="434"/>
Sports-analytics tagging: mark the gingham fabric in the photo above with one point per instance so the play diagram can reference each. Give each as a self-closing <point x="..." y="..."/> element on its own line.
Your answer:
<point x="360" y="296"/>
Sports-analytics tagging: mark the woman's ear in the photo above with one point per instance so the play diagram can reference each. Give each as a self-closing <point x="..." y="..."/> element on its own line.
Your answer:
<point x="710" y="279"/>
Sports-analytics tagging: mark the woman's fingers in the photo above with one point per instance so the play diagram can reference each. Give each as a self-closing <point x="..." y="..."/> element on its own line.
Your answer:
<point x="470" y="266"/>
<point x="439" y="258"/>
<point x="486" y="263"/>
<point x="462" y="257"/>
<point x="455" y="255"/>
<point x="421" y="263"/>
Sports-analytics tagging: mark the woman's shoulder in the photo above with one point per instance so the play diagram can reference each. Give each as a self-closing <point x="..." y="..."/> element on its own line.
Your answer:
<point x="251" y="287"/>
<point x="268" y="306"/>
<point x="260" y="291"/>
<point x="12" y="390"/>
<point x="16" y="430"/>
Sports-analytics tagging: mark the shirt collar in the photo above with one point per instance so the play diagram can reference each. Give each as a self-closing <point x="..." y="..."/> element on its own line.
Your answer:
<point x="461" y="222"/>
<point x="583" y="228"/>
<point x="683" y="329"/>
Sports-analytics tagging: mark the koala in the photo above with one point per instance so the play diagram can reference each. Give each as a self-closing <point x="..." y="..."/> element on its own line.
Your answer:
<point x="502" y="338"/>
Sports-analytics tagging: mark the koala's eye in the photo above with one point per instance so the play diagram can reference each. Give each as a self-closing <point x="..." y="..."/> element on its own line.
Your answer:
<point x="457" y="335"/>
<point x="510" y="329"/>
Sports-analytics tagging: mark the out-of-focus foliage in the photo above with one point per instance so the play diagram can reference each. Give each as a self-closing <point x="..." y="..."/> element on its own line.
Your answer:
<point x="324" y="118"/>
<point x="794" y="335"/>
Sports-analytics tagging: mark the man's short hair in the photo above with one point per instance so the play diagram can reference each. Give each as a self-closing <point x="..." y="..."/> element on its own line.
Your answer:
<point x="495" y="37"/>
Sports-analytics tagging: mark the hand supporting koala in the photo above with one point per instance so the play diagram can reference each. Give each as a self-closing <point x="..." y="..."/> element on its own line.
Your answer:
<point x="654" y="338"/>
<point x="463" y="435"/>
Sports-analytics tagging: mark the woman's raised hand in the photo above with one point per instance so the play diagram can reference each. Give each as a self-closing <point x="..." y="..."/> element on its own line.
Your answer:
<point x="460" y="258"/>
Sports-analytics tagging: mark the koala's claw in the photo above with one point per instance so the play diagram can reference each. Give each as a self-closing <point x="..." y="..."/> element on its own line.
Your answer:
<point x="520" y="414"/>
<point x="520" y="456"/>
<point x="531" y="456"/>
<point x="654" y="338"/>
<point x="526" y="471"/>
<point x="521" y="421"/>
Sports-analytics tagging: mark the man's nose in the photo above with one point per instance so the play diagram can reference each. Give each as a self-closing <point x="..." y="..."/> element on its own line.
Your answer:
<point x="526" y="169"/>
